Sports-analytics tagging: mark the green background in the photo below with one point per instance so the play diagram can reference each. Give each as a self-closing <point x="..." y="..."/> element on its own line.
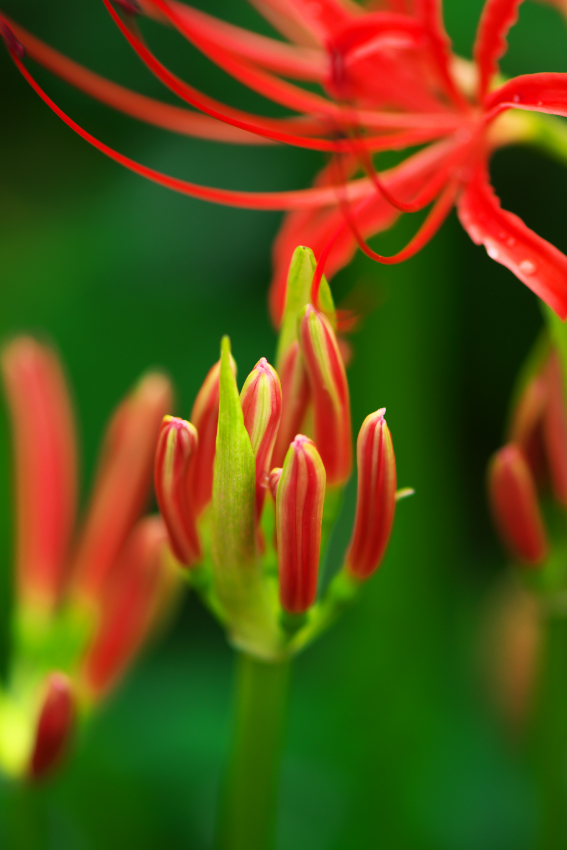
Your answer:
<point x="391" y="741"/>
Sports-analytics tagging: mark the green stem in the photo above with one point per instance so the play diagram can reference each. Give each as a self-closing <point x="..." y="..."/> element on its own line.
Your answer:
<point x="249" y="805"/>
<point x="550" y="738"/>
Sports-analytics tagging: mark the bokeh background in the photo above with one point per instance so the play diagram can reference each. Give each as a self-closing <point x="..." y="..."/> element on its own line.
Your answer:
<point x="391" y="741"/>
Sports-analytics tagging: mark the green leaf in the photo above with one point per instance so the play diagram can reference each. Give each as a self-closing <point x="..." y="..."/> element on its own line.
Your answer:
<point x="233" y="482"/>
<point x="298" y="295"/>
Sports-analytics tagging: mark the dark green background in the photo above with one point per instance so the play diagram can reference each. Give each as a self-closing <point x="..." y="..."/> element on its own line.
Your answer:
<point x="390" y="741"/>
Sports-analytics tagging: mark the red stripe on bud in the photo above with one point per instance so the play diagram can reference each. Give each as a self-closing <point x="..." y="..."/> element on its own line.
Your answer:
<point x="376" y="499"/>
<point x="299" y="514"/>
<point x="274" y="480"/>
<point x="514" y="505"/>
<point x="129" y="607"/>
<point x="54" y="726"/>
<point x="329" y="390"/>
<point x="555" y="429"/>
<point x="205" y="417"/>
<point x="261" y="400"/>
<point x="177" y="444"/>
<point x="295" y="400"/>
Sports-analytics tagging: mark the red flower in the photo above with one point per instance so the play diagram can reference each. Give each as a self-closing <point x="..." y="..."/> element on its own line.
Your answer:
<point x="391" y="82"/>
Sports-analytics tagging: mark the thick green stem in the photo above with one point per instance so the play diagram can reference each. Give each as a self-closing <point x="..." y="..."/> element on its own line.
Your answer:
<point x="249" y="806"/>
<point x="550" y="738"/>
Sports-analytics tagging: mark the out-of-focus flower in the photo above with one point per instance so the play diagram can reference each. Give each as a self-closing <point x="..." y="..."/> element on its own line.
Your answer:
<point x="83" y="607"/>
<point x="265" y="587"/>
<point x="391" y="82"/>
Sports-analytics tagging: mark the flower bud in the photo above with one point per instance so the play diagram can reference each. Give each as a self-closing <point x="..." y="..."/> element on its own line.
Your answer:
<point x="526" y="424"/>
<point x="205" y="417"/>
<point x="555" y="429"/>
<point x="295" y="399"/>
<point x="329" y="390"/>
<point x="131" y="602"/>
<point x="376" y="498"/>
<point x="261" y="400"/>
<point x="54" y="726"/>
<point x="515" y="507"/>
<point x="274" y="480"/>
<point x="299" y="514"/>
<point x="177" y="444"/>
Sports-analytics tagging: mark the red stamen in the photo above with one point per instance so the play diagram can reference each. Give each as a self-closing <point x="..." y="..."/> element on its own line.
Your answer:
<point x="15" y="47"/>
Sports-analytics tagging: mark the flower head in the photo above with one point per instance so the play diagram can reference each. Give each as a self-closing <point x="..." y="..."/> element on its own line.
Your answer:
<point x="82" y="611"/>
<point x="390" y="81"/>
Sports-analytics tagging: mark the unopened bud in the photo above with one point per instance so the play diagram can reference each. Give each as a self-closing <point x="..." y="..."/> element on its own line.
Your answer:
<point x="299" y="515"/>
<point x="515" y="507"/>
<point x="329" y="391"/>
<point x="54" y="725"/>
<point x="376" y="499"/>
<point x="177" y="444"/>
<point x="205" y="417"/>
<point x="555" y="429"/>
<point x="295" y="399"/>
<point x="261" y="400"/>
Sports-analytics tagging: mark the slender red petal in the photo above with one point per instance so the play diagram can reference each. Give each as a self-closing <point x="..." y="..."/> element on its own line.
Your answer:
<point x="45" y="468"/>
<point x="507" y="240"/>
<point x="128" y="608"/>
<point x="280" y="15"/>
<point x="498" y="16"/>
<point x="330" y="394"/>
<point x="545" y="92"/>
<point x="430" y="14"/>
<point x="261" y="400"/>
<point x="376" y="499"/>
<point x="299" y="513"/>
<point x="175" y="453"/>
<point x="54" y="725"/>
<point x="295" y="400"/>
<point x="123" y="482"/>
<point x="514" y="504"/>
<point x="286" y="59"/>
<point x="555" y="428"/>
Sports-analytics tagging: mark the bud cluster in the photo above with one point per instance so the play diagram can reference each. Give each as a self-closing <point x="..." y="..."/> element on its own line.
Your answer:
<point x="251" y="525"/>
<point x="86" y="599"/>
<point x="532" y="463"/>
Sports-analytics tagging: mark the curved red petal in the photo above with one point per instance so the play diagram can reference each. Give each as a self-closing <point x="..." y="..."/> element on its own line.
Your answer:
<point x="509" y="241"/>
<point x="429" y="12"/>
<point x="545" y="92"/>
<point x="498" y="16"/>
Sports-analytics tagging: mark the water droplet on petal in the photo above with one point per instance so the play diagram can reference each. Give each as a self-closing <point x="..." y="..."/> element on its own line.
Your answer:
<point x="510" y="241"/>
<point x="516" y="98"/>
<point x="492" y="251"/>
<point x="527" y="267"/>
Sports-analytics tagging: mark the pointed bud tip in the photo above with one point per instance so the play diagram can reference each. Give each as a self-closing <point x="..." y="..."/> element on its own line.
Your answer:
<point x="54" y="726"/>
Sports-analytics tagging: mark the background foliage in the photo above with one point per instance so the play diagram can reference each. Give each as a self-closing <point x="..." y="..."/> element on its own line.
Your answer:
<point x="390" y="741"/>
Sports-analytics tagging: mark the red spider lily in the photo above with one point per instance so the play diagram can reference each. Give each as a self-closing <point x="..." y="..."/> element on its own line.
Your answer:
<point x="112" y="580"/>
<point x="390" y="82"/>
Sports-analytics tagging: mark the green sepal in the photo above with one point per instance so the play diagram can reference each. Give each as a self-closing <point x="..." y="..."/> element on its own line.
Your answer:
<point x="234" y="481"/>
<point x="298" y="295"/>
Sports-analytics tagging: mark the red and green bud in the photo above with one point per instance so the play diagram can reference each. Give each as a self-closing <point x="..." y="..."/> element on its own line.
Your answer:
<point x="330" y="394"/>
<point x="261" y="400"/>
<point x="526" y="425"/>
<point x="274" y="480"/>
<point x="54" y="725"/>
<point x="299" y="514"/>
<point x="205" y="417"/>
<point x="295" y="399"/>
<point x="555" y="429"/>
<point x="176" y="448"/>
<point x="376" y="499"/>
<point x="515" y="508"/>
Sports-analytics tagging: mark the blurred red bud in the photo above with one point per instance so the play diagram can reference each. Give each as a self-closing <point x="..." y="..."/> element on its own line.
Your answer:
<point x="555" y="428"/>
<point x="515" y="507"/>
<point x="261" y="400"/>
<point x="54" y="725"/>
